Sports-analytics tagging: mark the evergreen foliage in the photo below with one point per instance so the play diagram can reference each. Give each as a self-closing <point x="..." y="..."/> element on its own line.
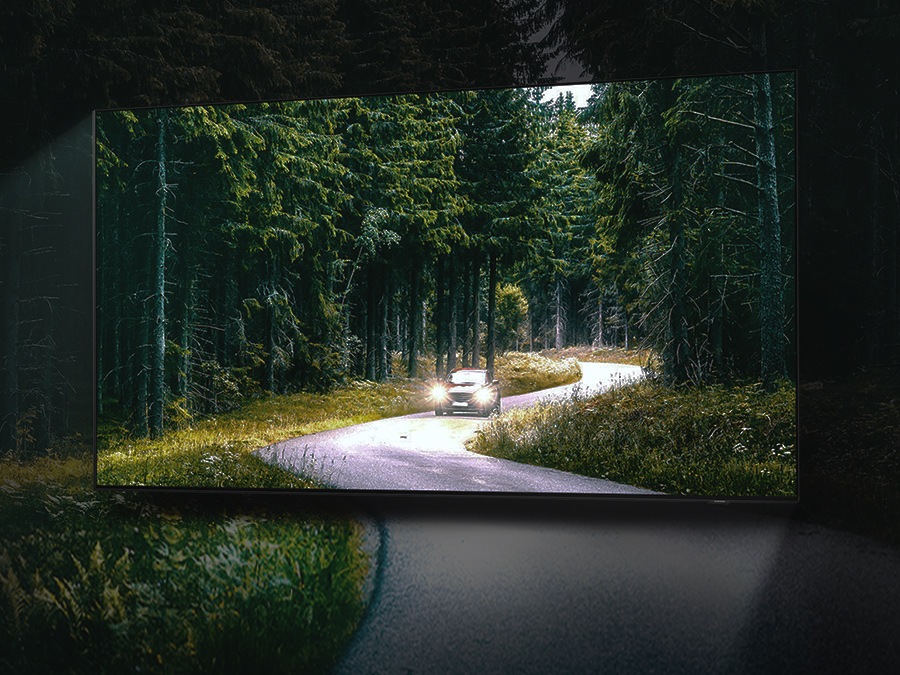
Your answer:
<point x="280" y="247"/>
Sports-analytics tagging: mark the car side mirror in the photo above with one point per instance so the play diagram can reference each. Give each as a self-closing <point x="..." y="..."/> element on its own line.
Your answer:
<point x="495" y="382"/>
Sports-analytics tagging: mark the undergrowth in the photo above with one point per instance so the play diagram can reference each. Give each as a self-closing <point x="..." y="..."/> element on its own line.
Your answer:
<point x="108" y="583"/>
<point x="710" y="441"/>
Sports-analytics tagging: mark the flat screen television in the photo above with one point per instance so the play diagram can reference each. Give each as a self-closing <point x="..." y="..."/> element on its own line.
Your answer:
<point x="583" y="290"/>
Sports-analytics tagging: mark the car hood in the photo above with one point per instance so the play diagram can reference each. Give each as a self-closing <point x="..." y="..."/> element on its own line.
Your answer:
<point x="464" y="389"/>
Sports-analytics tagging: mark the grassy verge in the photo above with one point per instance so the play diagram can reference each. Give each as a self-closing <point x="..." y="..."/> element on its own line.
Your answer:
<point x="736" y="441"/>
<point x="217" y="452"/>
<point x="633" y="357"/>
<point x="522" y="373"/>
<point x="109" y="583"/>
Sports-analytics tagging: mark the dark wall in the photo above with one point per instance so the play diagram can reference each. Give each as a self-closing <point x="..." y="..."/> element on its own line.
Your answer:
<point x="63" y="61"/>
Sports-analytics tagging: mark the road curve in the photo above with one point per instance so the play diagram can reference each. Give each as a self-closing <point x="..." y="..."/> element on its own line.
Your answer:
<point x="427" y="453"/>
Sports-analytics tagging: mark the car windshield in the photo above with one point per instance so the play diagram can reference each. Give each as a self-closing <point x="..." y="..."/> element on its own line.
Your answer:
<point x="468" y="377"/>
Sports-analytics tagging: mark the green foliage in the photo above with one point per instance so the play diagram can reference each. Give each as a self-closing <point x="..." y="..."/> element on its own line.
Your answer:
<point x="676" y="216"/>
<point x="107" y="583"/>
<point x="512" y="311"/>
<point x="709" y="441"/>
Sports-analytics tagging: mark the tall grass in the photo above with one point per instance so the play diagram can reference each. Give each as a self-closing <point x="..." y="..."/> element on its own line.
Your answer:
<point x="710" y="441"/>
<point x="110" y="583"/>
<point x="522" y="373"/>
<point x="634" y="357"/>
<point x="218" y="451"/>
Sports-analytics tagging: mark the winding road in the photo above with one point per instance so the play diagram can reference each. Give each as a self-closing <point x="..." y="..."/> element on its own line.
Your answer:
<point x="538" y="586"/>
<point x="426" y="452"/>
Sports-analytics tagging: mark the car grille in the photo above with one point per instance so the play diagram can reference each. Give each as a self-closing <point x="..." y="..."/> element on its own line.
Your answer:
<point x="460" y="397"/>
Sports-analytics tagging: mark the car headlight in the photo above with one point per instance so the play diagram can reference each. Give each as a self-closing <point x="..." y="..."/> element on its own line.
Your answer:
<point x="484" y="396"/>
<point x="439" y="393"/>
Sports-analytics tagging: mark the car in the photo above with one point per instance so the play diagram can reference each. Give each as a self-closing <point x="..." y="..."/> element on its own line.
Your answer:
<point x="467" y="390"/>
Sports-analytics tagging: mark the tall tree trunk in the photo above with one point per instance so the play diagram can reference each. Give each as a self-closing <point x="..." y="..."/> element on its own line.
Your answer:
<point x="476" y="320"/>
<point x="271" y="324"/>
<point x="371" y="319"/>
<point x="716" y="286"/>
<point x="412" y="345"/>
<point x="142" y="375"/>
<point x="675" y="353"/>
<point x="383" y="363"/>
<point x="492" y="314"/>
<point x="559" y="315"/>
<point x="269" y="383"/>
<point x="466" y="311"/>
<point x="157" y="308"/>
<point x="453" y="318"/>
<point x="440" y="320"/>
<point x="187" y="316"/>
<point x="771" y="300"/>
<point x="600" y="342"/>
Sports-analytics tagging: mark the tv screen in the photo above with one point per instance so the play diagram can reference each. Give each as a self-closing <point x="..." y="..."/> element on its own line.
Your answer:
<point x="584" y="289"/>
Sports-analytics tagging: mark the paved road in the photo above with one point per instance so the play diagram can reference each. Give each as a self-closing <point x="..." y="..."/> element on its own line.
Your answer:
<point x="574" y="586"/>
<point x="425" y="452"/>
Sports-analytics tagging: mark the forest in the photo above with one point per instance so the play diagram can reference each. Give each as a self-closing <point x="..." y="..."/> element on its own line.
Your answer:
<point x="287" y="246"/>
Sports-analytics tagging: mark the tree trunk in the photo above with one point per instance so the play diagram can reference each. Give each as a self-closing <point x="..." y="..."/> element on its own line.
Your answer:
<point x="371" y="320"/>
<point x="675" y="353"/>
<point x="412" y="345"/>
<point x="383" y="359"/>
<point x="492" y="314"/>
<point x="452" y="319"/>
<point x="600" y="342"/>
<point x="187" y="312"/>
<point x="157" y="308"/>
<point x="440" y="322"/>
<point x="466" y="312"/>
<point x="476" y="319"/>
<point x="142" y="376"/>
<point x="771" y="301"/>
<point x="558" y="318"/>
<point x="271" y="290"/>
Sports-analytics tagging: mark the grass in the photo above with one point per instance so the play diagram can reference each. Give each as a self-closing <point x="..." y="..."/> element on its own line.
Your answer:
<point x="633" y="357"/>
<point x="108" y="583"/>
<point x="217" y="452"/>
<point x="522" y="373"/>
<point x="710" y="441"/>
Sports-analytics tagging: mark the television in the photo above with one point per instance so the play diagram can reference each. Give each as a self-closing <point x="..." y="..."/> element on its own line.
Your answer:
<point x="583" y="289"/>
